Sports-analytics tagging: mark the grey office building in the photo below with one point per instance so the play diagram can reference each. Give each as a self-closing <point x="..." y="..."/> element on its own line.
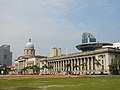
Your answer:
<point x="88" y="38"/>
<point x="5" y="55"/>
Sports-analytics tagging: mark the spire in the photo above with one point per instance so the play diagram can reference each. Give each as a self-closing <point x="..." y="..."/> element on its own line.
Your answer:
<point x="29" y="40"/>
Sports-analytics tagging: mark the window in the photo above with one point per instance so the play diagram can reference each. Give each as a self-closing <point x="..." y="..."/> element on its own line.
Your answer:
<point x="5" y="56"/>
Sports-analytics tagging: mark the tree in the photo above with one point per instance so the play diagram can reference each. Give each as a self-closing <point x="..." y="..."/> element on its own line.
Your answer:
<point x="76" y="66"/>
<point x="25" y="70"/>
<point x="36" y="69"/>
<point x="114" y="67"/>
<point x="67" y="66"/>
<point x="83" y="66"/>
<point x="44" y="67"/>
<point x="4" y="70"/>
<point x="50" y="67"/>
<point x="98" y="64"/>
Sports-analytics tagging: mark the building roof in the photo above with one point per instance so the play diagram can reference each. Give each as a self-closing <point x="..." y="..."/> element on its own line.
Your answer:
<point x="12" y="67"/>
<point x="29" y="44"/>
<point x="91" y="46"/>
<point x="38" y="56"/>
<point x="24" y="57"/>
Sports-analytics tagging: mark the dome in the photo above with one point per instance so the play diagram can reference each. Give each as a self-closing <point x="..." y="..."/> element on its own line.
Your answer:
<point x="29" y="44"/>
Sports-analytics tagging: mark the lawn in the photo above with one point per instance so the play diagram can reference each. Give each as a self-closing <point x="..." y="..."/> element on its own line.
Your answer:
<point x="68" y="83"/>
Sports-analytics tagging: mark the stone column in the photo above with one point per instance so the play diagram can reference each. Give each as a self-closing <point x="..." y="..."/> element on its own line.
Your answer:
<point x="56" y="66"/>
<point x="76" y="63"/>
<point x="88" y="65"/>
<point x="79" y="63"/>
<point x="73" y="64"/>
<point x="92" y="64"/>
<point x="53" y="67"/>
<point x="63" y="66"/>
<point x="85" y="61"/>
<point x="81" y="69"/>
<point x="60" y="66"/>
<point x="68" y="63"/>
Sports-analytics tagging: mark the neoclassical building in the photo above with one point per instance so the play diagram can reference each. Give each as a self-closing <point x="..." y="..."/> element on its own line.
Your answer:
<point x="93" y="58"/>
<point x="28" y="59"/>
<point x="84" y="62"/>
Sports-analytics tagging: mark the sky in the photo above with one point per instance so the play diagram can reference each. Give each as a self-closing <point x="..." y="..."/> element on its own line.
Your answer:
<point x="57" y="23"/>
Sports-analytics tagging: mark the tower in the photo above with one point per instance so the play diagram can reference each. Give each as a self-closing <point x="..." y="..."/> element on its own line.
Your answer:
<point x="88" y="38"/>
<point x="29" y="50"/>
<point x="55" y="51"/>
<point x="5" y="55"/>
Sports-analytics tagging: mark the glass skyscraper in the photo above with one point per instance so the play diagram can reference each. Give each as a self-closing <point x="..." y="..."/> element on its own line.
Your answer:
<point x="87" y="38"/>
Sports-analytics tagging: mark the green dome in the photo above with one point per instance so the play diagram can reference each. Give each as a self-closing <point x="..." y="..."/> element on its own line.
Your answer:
<point x="29" y="44"/>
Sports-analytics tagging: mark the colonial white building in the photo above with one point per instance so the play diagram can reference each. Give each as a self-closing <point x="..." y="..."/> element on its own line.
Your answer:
<point x="84" y="62"/>
<point x="93" y="59"/>
<point x="28" y="59"/>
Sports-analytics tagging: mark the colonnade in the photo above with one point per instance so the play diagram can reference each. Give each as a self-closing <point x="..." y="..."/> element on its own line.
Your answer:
<point x="83" y="65"/>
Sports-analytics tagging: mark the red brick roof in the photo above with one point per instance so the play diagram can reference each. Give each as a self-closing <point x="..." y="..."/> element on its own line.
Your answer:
<point x="10" y="67"/>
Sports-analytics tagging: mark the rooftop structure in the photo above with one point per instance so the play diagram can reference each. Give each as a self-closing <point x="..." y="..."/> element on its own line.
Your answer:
<point x="92" y="46"/>
<point x="29" y="50"/>
<point x="115" y="45"/>
<point x="89" y="43"/>
<point x="87" y="38"/>
<point x="29" y="44"/>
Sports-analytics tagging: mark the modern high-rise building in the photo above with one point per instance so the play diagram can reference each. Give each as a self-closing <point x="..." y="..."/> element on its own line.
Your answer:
<point x="87" y="38"/>
<point x="55" y="51"/>
<point x="5" y="55"/>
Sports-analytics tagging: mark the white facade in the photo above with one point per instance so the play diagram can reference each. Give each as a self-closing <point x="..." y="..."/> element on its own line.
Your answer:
<point x="115" y="45"/>
<point x="85" y="62"/>
<point x="29" y="59"/>
<point x="75" y="63"/>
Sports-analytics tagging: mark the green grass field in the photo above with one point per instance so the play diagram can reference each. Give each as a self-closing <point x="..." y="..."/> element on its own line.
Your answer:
<point x="78" y="83"/>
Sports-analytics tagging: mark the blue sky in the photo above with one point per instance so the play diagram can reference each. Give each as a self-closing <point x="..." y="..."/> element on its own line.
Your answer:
<point x="57" y="23"/>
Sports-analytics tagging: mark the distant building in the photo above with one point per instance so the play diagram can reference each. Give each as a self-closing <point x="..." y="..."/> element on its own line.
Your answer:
<point x="87" y="38"/>
<point x="114" y="45"/>
<point x="5" y="55"/>
<point x="55" y="51"/>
